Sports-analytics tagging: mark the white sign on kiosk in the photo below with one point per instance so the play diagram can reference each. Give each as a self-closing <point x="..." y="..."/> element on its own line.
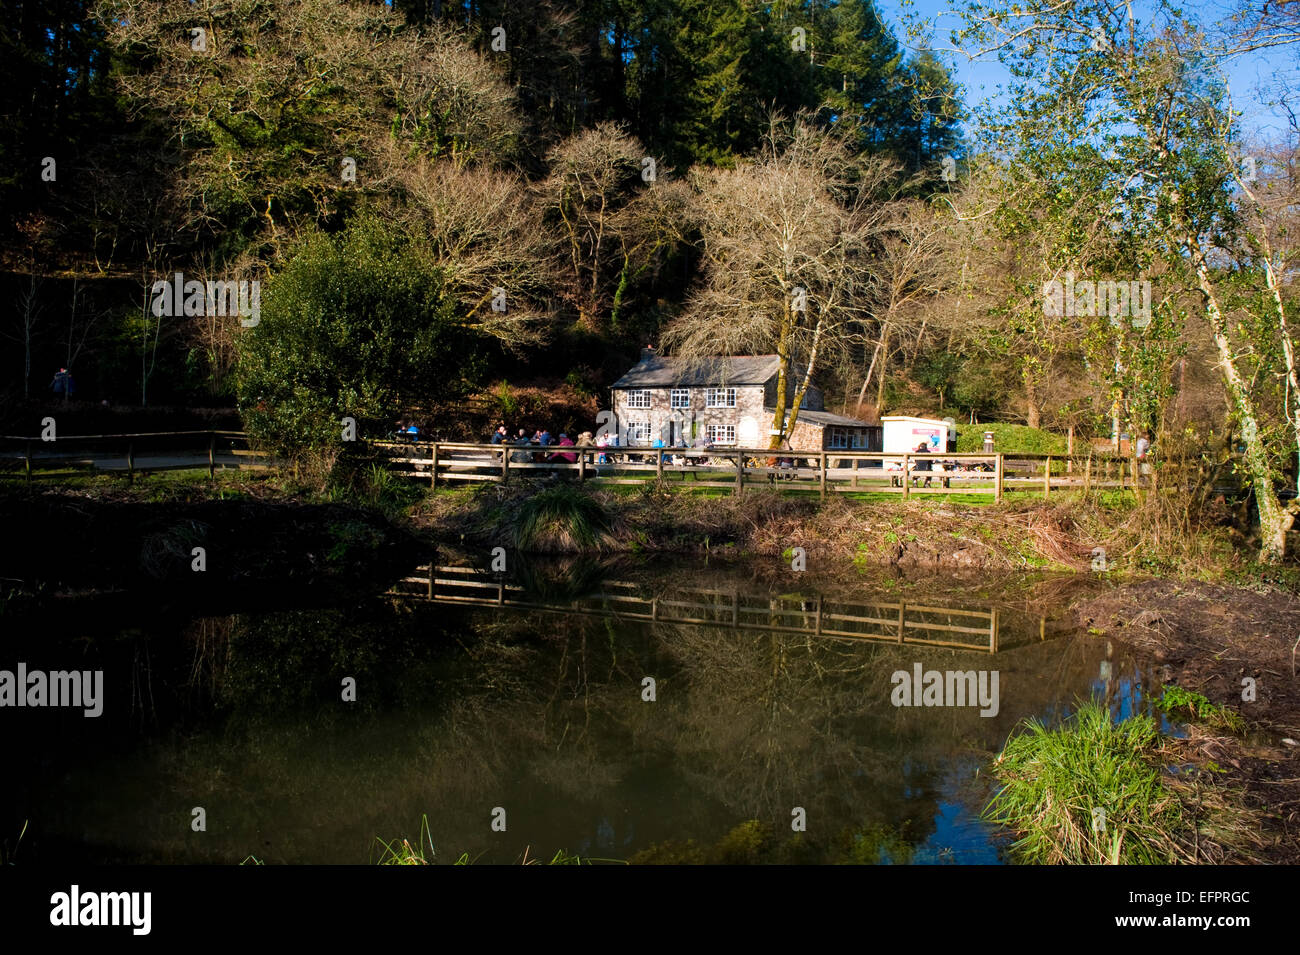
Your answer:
<point x="903" y="433"/>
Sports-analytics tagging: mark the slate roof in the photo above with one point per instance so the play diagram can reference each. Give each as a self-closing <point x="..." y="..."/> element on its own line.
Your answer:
<point x="826" y="419"/>
<point x="661" y="372"/>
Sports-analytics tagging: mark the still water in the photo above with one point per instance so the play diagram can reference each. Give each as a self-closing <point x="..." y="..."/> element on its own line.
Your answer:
<point x="686" y="713"/>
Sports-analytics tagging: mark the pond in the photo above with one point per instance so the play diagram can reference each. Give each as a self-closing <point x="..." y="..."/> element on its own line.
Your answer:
<point x="688" y="712"/>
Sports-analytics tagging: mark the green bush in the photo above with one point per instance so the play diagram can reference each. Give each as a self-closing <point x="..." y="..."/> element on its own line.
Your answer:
<point x="356" y="325"/>
<point x="1009" y="439"/>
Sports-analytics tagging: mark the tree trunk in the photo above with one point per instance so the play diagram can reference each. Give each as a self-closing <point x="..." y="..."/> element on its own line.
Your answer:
<point x="884" y="365"/>
<point x="1274" y="519"/>
<point x="862" y="394"/>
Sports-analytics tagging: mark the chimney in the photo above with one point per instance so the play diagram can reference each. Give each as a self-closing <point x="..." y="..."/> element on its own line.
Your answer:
<point x="647" y="352"/>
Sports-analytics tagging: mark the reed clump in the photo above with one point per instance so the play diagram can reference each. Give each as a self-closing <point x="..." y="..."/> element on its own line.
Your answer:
<point x="1088" y="793"/>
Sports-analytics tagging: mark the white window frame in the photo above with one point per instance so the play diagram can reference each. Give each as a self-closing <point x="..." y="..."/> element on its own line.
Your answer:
<point x="721" y="434"/>
<point x="636" y="397"/>
<point x="728" y="396"/>
<point x="638" y="432"/>
<point x="841" y="439"/>
<point x="679" y="398"/>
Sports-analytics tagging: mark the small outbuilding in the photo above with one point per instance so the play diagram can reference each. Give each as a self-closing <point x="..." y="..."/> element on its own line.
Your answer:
<point x="904" y="433"/>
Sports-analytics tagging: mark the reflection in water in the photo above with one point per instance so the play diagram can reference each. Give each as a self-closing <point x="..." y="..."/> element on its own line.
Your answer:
<point x="535" y="700"/>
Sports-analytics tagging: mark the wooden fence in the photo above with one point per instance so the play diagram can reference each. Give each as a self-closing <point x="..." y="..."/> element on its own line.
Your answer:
<point x="899" y="623"/>
<point x="823" y="472"/>
<point x="143" y="452"/>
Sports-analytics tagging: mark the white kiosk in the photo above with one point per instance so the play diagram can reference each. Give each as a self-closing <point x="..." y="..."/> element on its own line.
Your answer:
<point x="902" y="433"/>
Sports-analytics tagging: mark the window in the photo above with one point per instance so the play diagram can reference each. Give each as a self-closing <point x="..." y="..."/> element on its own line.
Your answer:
<point x="638" y="432"/>
<point x="680" y="398"/>
<point x="639" y="398"/>
<point x="722" y="433"/>
<point x="721" y="398"/>
<point x="839" y="438"/>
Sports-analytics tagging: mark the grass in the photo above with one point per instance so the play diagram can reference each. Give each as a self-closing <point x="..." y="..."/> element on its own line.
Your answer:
<point x="1087" y="793"/>
<point x="1177" y="701"/>
<point x="561" y="518"/>
<point x="404" y="853"/>
<point x="8" y="855"/>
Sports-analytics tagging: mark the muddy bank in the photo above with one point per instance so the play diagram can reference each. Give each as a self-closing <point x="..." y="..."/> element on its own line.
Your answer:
<point x="62" y="542"/>
<point x="1224" y="642"/>
<point x="920" y="534"/>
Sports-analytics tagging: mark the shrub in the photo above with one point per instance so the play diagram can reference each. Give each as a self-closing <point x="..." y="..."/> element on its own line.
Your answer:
<point x="1009" y="439"/>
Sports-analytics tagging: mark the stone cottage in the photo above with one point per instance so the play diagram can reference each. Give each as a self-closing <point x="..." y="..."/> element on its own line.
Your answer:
<point x="729" y="401"/>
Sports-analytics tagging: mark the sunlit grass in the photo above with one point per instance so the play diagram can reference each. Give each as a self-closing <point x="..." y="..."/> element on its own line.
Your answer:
<point x="1177" y="701"/>
<point x="1087" y="793"/>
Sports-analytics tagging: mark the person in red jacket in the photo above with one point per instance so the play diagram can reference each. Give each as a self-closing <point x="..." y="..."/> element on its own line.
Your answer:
<point x="571" y="457"/>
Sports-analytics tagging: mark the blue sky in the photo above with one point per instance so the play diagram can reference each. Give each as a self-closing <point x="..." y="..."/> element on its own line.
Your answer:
<point x="1254" y="78"/>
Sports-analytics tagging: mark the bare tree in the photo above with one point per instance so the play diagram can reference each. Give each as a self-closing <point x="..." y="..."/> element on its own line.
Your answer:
<point x="593" y="177"/>
<point x="29" y="314"/>
<point x="789" y="246"/>
<point x="486" y="236"/>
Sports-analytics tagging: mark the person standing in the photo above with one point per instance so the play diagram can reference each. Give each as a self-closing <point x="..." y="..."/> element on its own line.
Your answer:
<point x="1143" y="465"/>
<point x="63" y="384"/>
<point x="924" y="464"/>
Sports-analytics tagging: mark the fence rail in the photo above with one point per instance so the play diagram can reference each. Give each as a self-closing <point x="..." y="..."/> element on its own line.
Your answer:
<point x="898" y="623"/>
<point x="144" y="451"/>
<point x="823" y="472"/>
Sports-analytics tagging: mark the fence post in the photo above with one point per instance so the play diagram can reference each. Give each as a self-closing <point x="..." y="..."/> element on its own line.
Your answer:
<point x="659" y="464"/>
<point x="993" y="631"/>
<point x="130" y="462"/>
<point x="433" y="465"/>
<point x="582" y="466"/>
<point x="823" y="482"/>
<point x="997" y="477"/>
<point x="907" y="474"/>
<point x="902" y="609"/>
<point x="27" y="462"/>
<point x="1047" y="478"/>
<point x="856" y="462"/>
<point x="740" y="473"/>
<point x="431" y="569"/>
<point x="505" y="467"/>
<point x="212" y="454"/>
<point x="1087" y="475"/>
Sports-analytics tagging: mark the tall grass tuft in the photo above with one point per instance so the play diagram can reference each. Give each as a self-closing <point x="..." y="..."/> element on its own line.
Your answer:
<point x="403" y="853"/>
<point x="561" y="519"/>
<point x="1053" y="780"/>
